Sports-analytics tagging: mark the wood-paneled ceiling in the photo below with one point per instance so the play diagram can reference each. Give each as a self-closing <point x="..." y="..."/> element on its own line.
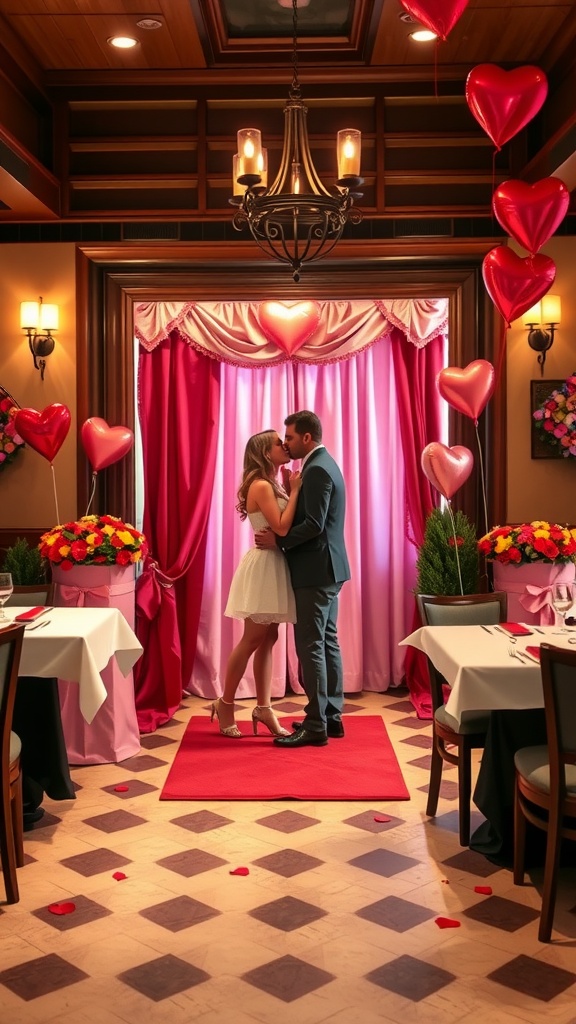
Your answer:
<point x="89" y="132"/>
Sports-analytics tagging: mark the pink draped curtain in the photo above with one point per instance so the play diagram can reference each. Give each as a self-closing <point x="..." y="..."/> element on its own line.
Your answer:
<point x="202" y="413"/>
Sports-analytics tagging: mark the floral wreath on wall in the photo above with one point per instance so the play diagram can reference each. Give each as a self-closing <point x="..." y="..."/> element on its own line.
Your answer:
<point x="555" y="419"/>
<point x="10" y="441"/>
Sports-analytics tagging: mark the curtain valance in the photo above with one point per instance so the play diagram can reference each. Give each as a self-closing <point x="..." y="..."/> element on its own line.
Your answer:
<point x="271" y="332"/>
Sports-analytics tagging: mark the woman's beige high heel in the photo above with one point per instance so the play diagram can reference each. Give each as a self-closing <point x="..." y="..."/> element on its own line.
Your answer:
<point x="268" y="718"/>
<point x="231" y="732"/>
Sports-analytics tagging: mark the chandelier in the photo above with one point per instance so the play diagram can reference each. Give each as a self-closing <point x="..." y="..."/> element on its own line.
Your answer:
<point x="297" y="220"/>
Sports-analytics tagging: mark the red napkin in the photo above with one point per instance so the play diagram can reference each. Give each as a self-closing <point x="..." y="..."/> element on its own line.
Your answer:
<point x="534" y="651"/>
<point x="446" y="922"/>
<point x="239" y="871"/>
<point x="62" y="908"/>
<point x="515" y="629"/>
<point x="485" y="890"/>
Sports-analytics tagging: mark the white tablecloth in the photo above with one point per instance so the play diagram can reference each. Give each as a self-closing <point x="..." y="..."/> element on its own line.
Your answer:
<point x="476" y="665"/>
<point x="76" y="645"/>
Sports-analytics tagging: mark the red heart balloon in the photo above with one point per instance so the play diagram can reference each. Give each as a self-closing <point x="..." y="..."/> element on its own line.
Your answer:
<point x="531" y="213"/>
<point x="44" y="431"/>
<point x="103" y="444"/>
<point x="439" y="16"/>
<point x="504" y="101"/>
<point x="289" y="325"/>
<point x="515" y="284"/>
<point x="447" y="468"/>
<point x="468" y="390"/>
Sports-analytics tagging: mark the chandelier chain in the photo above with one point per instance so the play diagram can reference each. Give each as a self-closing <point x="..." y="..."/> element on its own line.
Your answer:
<point x="295" y="87"/>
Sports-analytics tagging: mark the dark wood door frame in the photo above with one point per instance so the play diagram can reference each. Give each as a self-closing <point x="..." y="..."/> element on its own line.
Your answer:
<point x="111" y="279"/>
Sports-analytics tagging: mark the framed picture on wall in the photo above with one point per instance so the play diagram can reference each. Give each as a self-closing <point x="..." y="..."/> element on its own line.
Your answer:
<point x="540" y="390"/>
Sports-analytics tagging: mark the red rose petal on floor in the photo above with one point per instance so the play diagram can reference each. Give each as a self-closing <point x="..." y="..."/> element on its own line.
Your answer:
<point x="486" y="890"/>
<point x="62" y="908"/>
<point x="240" y="871"/>
<point x="119" y="876"/>
<point x="447" y="922"/>
<point x="381" y="817"/>
<point x="120" y="789"/>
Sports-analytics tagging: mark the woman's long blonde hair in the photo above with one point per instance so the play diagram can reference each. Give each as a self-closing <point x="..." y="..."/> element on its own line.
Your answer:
<point x="257" y="466"/>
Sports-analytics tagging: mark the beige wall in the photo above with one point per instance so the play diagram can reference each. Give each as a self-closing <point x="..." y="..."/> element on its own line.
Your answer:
<point x="26" y="486"/>
<point x="541" y="488"/>
<point x="537" y="489"/>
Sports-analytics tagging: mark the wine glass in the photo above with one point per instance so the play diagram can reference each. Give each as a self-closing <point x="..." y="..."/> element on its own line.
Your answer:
<point x="6" y="588"/>
<point x="562" y="599"/>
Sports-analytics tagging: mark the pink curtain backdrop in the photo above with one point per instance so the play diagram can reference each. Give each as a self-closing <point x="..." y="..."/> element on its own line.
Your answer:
<point x="178" y="403"/>
<point x="370" y="407"/>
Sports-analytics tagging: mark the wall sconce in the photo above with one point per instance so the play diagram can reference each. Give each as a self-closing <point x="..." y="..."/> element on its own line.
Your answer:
<point x="39" y="319"/>
<point x="541" y="322"/>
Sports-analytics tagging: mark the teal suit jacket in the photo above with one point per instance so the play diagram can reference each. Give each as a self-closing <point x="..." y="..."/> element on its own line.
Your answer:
<point x="314" y="546"/>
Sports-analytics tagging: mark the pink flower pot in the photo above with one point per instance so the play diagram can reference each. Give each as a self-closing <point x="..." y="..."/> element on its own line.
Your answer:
<point x="113" y="735"/>
<point x="529" y="589"/>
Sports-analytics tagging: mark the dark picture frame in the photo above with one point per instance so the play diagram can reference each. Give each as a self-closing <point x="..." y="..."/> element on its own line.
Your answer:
<point x="539" y="392"/>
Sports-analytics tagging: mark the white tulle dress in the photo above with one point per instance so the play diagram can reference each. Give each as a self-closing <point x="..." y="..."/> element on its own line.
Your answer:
<point x="261" y="589"/>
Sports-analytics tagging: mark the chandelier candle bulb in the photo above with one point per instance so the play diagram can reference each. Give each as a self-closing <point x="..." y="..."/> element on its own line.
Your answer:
<point x="237" y="169"/>
<point x="249" y="150"/>
<point x="349" y="148"/>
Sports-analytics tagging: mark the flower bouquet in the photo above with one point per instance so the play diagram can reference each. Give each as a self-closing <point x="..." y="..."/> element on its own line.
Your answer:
<point x="10" y="441"/>
<point x="93" y="540"/>
<point x="555" y="419"/>
<point x="529" y="542"/>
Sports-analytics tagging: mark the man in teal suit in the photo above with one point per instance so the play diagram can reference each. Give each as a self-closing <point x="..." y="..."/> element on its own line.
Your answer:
<point x="316" y="554"/>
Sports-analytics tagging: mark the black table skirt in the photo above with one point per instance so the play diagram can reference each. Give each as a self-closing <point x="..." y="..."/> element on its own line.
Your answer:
<point x="38" y="723"/>
<point x="508" y="731"/>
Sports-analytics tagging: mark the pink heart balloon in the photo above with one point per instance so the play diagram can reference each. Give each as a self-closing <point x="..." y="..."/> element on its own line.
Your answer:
<point x="468" y="390"/>
<point x="447" y="468"/>
<point x="44" y="431"/>
<point x="439" y="16"/>
<point x="289" y="325"/>
<point x="103" y="444"/>
<point x="504" y="101"/>
<point x="531" y="213"/>
<point x="515" y="284"/>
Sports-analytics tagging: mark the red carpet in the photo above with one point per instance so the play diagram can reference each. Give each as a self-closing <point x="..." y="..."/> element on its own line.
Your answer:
<point x="361" y="766"/>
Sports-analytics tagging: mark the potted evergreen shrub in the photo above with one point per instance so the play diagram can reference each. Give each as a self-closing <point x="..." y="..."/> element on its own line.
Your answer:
<point x="26" y="564"/>
<point x="437" y="565"/>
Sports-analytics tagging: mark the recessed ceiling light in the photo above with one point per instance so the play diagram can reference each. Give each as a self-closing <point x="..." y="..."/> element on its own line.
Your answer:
<point x="423" y="35"/>
<point x="149" y="23"/>
<point x="123" y="42"/>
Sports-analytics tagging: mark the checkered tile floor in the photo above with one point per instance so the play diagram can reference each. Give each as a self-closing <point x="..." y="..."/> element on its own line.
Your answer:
<point x="335" y="922"/>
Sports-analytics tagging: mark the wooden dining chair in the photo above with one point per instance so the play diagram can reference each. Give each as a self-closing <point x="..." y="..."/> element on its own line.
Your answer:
<point x="468" y="734"/>
<point x="545" y="791"/>
<point x="11" y="820"/>
<point x="36" y="594"/>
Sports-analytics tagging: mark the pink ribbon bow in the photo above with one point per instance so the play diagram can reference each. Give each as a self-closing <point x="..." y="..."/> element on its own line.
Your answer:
<point x="538" y="600"/>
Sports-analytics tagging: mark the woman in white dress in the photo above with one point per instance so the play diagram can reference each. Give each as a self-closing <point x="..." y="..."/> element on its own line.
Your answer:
<point x="260" y="593"/>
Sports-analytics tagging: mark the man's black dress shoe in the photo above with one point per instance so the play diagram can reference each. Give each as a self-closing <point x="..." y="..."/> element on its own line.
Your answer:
<point x="334" y="730"/>
<point x="31" y="817"/>
<point x="302" y="738"/>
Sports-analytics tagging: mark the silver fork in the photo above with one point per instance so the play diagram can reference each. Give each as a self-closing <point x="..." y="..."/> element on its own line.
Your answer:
<point x="515" y="653"/>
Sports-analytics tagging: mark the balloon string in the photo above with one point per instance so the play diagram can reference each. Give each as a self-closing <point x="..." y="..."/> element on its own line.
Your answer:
<point x="482" y="478"/>
<point x="453" y="521"/>
<point x="55" y="493"/>
<point x="94" y="475"/>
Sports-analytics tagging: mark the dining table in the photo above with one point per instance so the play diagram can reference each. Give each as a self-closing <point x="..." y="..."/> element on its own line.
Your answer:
<point x="488" y="669"/>
<point x="74" y="644"/>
